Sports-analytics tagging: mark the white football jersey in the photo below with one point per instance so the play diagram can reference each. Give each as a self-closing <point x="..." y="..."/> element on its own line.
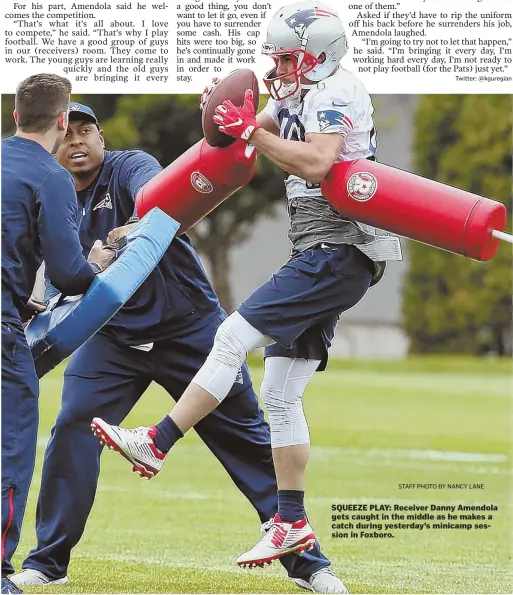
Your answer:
<point x="338" y="104"/>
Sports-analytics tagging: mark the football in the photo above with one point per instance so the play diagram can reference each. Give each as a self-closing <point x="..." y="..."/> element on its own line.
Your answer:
<point x="232" y="87"/>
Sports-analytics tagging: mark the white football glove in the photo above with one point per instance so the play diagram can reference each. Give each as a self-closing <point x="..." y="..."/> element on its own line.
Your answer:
<point x="207" y="90"/>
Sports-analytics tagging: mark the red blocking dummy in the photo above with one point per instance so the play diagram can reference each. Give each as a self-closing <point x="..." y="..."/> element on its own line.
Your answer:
<point x="415" y="207"/>
<point x="198" y="181"/>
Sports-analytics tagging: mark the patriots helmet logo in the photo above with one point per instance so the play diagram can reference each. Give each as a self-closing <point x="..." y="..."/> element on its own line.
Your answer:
<point x="301" y="20"/>
<point x="328" y="117"/>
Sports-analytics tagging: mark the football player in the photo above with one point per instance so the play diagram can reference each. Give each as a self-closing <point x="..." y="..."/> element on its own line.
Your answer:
<point x="163" y="334"/>
<point x="318" y="114"/>
<point x="39" y="211"/>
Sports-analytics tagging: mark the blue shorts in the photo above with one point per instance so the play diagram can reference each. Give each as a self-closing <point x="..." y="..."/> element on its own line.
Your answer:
<point x="299" y="306"/>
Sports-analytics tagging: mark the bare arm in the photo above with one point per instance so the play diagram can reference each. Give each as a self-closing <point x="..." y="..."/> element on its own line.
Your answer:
<point x="267" y="123"/>
<point x="311" y="160"/>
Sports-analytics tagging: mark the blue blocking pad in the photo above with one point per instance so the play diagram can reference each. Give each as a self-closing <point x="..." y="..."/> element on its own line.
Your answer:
<point x="68" y="322"/>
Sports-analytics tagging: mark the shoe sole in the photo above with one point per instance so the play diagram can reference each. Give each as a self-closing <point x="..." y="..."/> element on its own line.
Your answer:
<point x="302" y="584"/>
<point x="299" y="549"/>
<point x="107" y="440"/>
<point x="57" y="581"/>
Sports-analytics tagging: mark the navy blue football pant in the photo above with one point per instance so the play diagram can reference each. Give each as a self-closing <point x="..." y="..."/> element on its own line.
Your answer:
<point x="20" y="391"/>
<point x="106" y="379"/>
<point x="300" y="305"/>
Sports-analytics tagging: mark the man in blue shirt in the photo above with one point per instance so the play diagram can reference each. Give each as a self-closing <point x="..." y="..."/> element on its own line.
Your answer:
<point x="162" y="334"/>
<point x="39" y="221"/>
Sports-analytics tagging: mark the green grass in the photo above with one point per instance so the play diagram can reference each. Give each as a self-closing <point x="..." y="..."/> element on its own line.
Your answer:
<point x="181" y="532"/>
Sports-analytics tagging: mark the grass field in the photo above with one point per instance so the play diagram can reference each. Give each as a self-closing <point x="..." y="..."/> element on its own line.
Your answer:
<point x="374" y="425"/>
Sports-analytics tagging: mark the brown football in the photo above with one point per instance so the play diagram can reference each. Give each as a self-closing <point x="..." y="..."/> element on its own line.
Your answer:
<point x="232" y="87"/>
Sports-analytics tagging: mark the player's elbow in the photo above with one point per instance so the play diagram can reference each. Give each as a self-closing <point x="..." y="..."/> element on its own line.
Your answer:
<point x="70" y="285"/>
<point x="72" y="281"/>
<point x="323" y="151"/>
<point x="313" y="178"/>
<point x="316" y="171"/>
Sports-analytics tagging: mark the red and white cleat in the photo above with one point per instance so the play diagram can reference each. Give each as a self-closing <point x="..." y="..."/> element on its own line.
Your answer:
<point x="281" y="538"/>
<point x="136" y="446"/>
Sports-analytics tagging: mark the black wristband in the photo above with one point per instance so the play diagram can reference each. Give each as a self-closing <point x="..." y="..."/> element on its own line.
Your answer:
<point x="96" y="267"/>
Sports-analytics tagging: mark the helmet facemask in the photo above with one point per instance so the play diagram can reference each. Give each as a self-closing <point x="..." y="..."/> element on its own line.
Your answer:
<point x="302" y="61"/>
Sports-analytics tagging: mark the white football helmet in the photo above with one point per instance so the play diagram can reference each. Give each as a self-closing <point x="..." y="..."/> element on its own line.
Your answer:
<point x="305" y="30"/>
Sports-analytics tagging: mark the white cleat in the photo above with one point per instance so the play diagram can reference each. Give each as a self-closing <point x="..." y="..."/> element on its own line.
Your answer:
<point x="282" y="538"/>
<point x="136" y="446"/>
<point x="29" y="576"/>
<point x="322" y="581"/>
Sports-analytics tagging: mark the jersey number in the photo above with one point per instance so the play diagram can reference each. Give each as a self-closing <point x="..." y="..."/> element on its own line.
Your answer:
<point x="290" y="126"/>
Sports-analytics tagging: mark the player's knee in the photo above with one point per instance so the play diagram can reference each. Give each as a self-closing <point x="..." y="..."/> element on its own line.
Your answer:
<point x="64" y="424"/>
<point x="228" y="348"/>
<point x="286" y="417"/>
<point x="235" y="338"/>
<point x="72" y="417"/>
<point x="273" y="399"/>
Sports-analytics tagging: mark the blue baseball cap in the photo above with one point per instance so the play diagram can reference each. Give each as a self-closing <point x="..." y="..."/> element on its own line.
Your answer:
<point x="79" y="111"/>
